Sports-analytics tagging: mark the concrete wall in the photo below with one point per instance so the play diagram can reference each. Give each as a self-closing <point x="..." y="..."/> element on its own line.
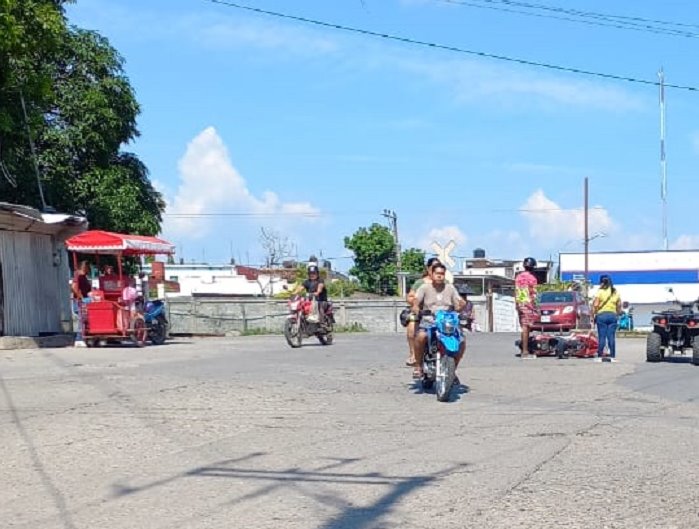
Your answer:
<point x="220" y="316"/>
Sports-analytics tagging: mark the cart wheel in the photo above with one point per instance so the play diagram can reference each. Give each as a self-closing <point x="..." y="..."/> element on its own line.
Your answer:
<point x="139" y="331"/>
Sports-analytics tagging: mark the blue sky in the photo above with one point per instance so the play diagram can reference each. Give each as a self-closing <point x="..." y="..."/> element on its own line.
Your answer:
<point x="257" y="121"/>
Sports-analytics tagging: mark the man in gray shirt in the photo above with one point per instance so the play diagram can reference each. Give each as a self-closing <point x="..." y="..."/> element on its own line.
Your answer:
<point x="439" y="295"/>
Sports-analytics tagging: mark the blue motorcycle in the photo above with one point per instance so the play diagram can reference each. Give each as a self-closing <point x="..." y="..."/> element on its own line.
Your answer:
<point x="156" y="322"/>
<point x="625" y="322"/>
<point x="439" y="361"/>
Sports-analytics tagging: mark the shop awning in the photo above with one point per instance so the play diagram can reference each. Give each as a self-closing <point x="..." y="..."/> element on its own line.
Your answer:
<point x="106" y="242"/>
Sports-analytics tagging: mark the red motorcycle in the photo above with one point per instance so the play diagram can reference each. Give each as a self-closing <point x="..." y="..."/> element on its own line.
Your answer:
<point x="301" y="323"/>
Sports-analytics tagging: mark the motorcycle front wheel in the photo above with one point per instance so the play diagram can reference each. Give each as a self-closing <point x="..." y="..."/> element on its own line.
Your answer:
<point x="292" y="333"/>
<point x="446" y="366"/>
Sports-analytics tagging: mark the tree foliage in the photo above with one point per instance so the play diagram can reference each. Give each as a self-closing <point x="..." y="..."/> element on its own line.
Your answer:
<point x="413" y="261"/>
<point x="81" y="111"/>
<point x="374" y="259"/>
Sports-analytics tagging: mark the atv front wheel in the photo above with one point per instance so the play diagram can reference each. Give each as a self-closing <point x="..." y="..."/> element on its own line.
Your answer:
<point x="654" y="347"/>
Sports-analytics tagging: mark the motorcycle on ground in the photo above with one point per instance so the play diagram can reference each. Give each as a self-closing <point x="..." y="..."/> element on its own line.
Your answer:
<point x="301" y="324"/>
<point x="439" y="360"/>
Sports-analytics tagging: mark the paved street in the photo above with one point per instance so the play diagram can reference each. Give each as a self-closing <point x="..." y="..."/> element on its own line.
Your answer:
<point x="248" y="433"/>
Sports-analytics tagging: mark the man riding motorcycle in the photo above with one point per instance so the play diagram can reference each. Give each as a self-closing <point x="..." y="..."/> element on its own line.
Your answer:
<point x="412" y="322"/>
<point x="434" y="296"/>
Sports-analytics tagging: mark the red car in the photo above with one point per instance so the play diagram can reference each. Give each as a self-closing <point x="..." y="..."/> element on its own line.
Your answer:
<point x="562" y="311"/>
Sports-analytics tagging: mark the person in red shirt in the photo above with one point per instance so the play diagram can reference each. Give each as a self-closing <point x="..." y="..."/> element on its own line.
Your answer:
<point x="525" y="299"/>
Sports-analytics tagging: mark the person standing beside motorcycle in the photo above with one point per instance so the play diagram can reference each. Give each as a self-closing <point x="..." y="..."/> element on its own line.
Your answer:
<point x="606" y="308"/>
<point x="412" y="321"/>
<point x="525" y="299"/>
<point x="434" y="296"/>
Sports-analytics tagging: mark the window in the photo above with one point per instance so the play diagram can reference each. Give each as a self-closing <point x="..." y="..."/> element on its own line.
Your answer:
<point x="556" y="297"/>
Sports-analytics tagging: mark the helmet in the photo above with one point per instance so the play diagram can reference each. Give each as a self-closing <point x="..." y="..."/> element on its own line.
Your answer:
<point x="529" y="263"/>
<point x="312" y="269"/>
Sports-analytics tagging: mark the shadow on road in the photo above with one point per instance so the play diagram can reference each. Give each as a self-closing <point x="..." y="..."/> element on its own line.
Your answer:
<point x="348" y="515"/>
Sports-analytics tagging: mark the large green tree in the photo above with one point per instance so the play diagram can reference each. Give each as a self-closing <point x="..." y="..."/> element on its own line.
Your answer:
<point x="81" y="111"/>
<point x="374" y="259"/>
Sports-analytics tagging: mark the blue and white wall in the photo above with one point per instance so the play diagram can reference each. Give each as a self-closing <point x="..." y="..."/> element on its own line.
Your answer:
<point x="642" y="278"/>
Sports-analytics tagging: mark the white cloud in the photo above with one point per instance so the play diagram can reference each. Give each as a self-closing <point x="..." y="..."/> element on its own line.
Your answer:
<point x="209" y="183"/>
<point x="685" y="242"/>
<point x="549" y="222"/>
<point x="442" y="236"/>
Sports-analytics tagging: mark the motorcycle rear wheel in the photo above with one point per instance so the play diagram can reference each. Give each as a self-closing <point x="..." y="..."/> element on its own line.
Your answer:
<point x="158" y="331"/>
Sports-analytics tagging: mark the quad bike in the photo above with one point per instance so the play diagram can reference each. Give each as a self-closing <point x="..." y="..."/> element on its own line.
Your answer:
<point x="674" y="332"/>
<point x="577" y="344"/>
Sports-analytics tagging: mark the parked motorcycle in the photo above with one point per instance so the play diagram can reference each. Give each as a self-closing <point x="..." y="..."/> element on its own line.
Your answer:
<point x="156" y="321"/>
<point x="626" y="318"/>
<point x="299" y="323"/>
<point x="439" y="361"/>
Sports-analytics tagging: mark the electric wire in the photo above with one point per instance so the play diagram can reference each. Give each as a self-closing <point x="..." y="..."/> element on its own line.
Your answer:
<point x="446" y="47"/>
<point x="611" y="21"/>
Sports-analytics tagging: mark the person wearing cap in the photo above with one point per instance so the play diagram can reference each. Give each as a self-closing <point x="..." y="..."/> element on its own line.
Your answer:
<point x="410" y="297"/>
<point x="606" y="308"/>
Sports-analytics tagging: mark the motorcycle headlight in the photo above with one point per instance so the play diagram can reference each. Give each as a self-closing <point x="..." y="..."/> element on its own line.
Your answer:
<point x="448" y="327"/>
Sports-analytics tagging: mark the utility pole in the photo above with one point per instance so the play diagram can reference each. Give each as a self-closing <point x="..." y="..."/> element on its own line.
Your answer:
<point x="587" y="236"/>
<point x="663" y="164"/>
<point x="393" y="221"/>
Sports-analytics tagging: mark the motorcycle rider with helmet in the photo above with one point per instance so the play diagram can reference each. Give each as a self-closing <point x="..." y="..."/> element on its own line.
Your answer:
<point x="526" y="301"/>
<point x="315" y="287"/>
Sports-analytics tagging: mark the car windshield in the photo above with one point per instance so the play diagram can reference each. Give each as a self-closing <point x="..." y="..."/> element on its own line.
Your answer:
<point x="556" y="297"/>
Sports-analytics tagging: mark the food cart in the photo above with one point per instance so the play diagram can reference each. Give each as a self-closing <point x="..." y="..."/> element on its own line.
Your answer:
<point x="110" y="314"/>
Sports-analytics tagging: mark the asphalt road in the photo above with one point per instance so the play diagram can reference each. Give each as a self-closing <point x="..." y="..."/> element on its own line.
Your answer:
<point x="246" y="432"/>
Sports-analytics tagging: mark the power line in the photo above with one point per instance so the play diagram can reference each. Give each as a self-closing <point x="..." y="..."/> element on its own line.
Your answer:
<point x="580" y="17"/>
<point x="407" y="40"/>
<point x="356" y="213"/>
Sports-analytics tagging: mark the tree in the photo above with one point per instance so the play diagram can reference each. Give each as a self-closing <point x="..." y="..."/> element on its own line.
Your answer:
<point x="374" y="259"/>
<point x="276" y="247"/>
<point x="81" y="110"/>
<point x="413" y="261"/>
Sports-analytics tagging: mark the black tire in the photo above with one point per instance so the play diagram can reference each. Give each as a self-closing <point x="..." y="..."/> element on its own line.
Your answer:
<point x="654" y="347"/>
<point x="158" y="331"/>
<point x="325" y="339"/>
<point x="444" y="385"/>
<point x="293" y="336"/>
<point x="695" y="350"/>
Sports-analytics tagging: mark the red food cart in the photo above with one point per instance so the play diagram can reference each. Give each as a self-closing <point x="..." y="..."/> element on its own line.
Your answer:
<point x="109" y="315"/>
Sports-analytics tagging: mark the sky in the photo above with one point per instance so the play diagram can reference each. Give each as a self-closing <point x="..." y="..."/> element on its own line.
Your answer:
<point x="251" y="122"/>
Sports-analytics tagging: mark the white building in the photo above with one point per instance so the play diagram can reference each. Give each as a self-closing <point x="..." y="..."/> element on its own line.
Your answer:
<point x="221" y="280"/>
<point x="642" y="278"/>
